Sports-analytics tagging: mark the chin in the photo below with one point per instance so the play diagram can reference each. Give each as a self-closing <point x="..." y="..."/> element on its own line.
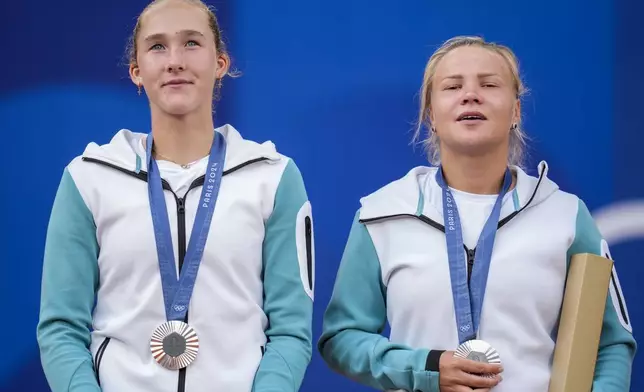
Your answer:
<point x="479" y="135"/>
<point x="178" y="108"/>
<point x="472" y="144"/>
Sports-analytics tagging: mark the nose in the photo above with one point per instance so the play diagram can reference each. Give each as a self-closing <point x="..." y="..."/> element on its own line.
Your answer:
<point x="175" y="62"/>
<point x="471" y="96"/>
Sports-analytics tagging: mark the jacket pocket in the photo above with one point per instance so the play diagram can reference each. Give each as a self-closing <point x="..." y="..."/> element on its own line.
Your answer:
<point x="309" y="250"/>
<point x="99" y="357"/>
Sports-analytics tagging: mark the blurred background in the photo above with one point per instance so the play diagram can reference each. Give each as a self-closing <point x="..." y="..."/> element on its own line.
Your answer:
<point x="334" y="84"/>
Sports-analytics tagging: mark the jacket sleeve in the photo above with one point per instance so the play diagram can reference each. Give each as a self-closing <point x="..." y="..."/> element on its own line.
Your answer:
<point x="351" y="341"/>
<point x="617" y="346"/>
<point x="69" y="283"/>
<point x="289" y="268"/>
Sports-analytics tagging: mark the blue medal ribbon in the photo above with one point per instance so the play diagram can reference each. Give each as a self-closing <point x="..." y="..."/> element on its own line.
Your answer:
<point x="468" y="298"/>
<point x="177" y="292"/>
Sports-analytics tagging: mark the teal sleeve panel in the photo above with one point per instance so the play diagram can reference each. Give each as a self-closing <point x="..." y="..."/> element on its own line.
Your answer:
<point x="351" y="341"/>
<point x="617" y="346"/>
<point x="69" y="283"/>
<point x="288" y="257"/>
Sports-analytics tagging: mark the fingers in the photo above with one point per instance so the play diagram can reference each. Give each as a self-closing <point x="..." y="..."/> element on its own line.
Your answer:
<point x="478" y="381"/>
<point x="460" y="378"/>
<point x="463" y="375"/>
<point x="470" y="366"/>
<point x="459" y="388"/>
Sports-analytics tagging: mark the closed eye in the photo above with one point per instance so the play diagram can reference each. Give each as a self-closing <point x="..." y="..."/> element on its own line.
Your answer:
<point x="452" y="87"/>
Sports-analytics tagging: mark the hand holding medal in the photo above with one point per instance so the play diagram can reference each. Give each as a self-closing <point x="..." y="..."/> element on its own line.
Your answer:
<point x="475" y="365"/>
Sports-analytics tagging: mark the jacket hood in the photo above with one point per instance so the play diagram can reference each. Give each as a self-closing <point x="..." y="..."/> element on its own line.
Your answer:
<point x="418" y="193"/>
<point x="122" y="150"/>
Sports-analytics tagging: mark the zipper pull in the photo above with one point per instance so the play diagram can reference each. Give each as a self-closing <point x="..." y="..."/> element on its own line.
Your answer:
<point x="471" y="253"/>
<point x="181" y="206"/>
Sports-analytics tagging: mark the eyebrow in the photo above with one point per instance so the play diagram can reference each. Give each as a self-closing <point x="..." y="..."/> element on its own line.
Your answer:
<point x="187" y="33"/>
<point x="480" y="76"/>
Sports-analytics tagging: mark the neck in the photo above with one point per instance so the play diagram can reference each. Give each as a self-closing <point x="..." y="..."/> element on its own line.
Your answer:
<point x="184" y="139"/>
<point x="479" y="175"/>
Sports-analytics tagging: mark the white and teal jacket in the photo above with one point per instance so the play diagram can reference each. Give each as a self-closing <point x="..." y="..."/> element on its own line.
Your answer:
<point x="394" y="270"/>
<point x="101" y="289"/>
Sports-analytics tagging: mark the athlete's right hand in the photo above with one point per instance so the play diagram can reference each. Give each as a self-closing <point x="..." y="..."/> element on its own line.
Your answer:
<point x="455" y="374"/>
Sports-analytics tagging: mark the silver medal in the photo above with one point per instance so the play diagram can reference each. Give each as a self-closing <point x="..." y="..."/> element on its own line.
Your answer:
<point x="479" y="351"/>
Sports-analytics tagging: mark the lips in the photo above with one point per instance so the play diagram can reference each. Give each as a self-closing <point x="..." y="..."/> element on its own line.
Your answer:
<point x="471" y="116"/>
<point x="176" y="82"/>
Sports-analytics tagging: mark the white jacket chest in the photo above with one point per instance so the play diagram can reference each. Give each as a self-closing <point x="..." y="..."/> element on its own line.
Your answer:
<point x="233" y="254"/>
<point x="525" y="280"/>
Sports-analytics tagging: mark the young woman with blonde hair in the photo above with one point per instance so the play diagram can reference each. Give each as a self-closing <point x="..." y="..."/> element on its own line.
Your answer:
<point x="147" y="286"/>
<point x="467" y="260"/>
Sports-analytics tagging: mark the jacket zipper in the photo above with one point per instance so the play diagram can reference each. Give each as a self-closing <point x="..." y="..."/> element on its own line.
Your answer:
<point x="471" y="253"/>
<point x="181" y="228"/>
<point x="309" y="250"/>
<point x="181" y="224"/>
<point x="99" y="358"/>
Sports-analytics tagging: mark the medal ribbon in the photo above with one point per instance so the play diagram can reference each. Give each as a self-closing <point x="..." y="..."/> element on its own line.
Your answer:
<point x="468" y="298"/>
<point x="177" y="292"/>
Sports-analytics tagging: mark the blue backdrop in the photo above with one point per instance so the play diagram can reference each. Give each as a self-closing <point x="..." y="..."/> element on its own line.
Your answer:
<point x="334" y="84"/>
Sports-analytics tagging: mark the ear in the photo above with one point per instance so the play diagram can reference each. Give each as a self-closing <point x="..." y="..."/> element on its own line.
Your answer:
<point x="427" y="101"/>
<point x="223" y="65"/>
<point x="517" y="112"/>
<point x="135" y="75"/>
<point x="431" y="115"/>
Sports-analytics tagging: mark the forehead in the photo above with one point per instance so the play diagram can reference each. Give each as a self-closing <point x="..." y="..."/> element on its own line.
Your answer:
<point x="472" y="60"/>
<point x="171" y="17"/>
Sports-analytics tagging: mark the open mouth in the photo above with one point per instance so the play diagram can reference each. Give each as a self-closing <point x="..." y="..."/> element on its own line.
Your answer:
<point x="469" y="116"/>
